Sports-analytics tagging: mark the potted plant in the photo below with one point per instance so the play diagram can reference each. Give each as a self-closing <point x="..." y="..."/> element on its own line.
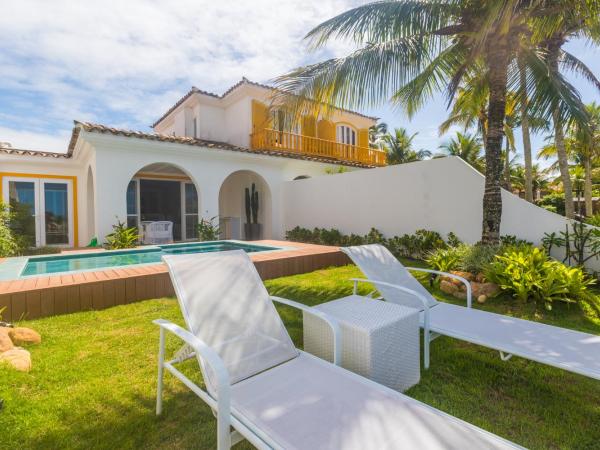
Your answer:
<point x="252" y="229"/>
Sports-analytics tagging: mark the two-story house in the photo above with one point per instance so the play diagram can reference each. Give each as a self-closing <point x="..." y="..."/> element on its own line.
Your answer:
<point x="201" y="156"/>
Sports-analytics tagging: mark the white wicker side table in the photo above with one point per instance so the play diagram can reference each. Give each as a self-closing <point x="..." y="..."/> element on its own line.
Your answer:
<point x="380" y="340"/>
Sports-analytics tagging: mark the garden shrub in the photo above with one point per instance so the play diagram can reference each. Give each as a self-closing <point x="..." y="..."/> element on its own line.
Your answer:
<point x="208" y="230"/>
<point x="554" y="202"/>
<point x="475" y="258"/>
<point x="446" y="259"/>
<point x="8" y="244"/>
<point x="526" y="272"/>
<point x="122" y="236"/>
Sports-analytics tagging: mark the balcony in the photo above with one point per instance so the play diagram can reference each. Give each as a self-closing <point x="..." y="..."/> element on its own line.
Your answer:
<point x="281" y="141"/>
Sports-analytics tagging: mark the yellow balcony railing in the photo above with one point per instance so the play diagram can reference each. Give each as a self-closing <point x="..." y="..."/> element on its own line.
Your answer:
<point x="282" y="141"/>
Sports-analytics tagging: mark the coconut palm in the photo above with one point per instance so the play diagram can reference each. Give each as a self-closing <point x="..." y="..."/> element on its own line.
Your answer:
<point x="399" y="146"/>
<point x="376" y="134"/>
<point x="409" y="49"/>
<point x="539" y="179"/>
<point x="465" y="146"/>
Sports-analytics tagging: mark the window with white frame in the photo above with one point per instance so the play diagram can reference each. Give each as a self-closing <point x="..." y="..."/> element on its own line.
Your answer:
<point x="345" y="135"/>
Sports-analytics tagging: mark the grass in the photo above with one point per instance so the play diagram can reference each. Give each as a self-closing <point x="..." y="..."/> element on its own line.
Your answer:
<point x="94" y="378"/>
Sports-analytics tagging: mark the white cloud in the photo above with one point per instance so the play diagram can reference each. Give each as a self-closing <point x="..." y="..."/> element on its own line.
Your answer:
<point x="127" y="62"/>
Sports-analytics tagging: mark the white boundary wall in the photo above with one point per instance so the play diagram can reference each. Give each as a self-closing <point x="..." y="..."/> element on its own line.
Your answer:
<point x="442" y="194"/>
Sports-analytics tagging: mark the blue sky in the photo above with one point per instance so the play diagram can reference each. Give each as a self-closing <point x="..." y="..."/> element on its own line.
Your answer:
<point x="124" y="63"/>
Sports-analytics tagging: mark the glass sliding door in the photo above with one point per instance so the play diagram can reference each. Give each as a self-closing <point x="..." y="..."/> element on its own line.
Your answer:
<point x="190" y="211"/>
<point x="56" y="213"/>
<point x="22" y="198"/>
<point x="42" y="210"/>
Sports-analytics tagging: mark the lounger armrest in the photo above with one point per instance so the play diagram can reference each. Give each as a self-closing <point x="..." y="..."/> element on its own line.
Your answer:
<point x="449" y="275"/>
<point x="206" y="353"/>
<point x="333" y="324"/>
<point x="415" y="294"/>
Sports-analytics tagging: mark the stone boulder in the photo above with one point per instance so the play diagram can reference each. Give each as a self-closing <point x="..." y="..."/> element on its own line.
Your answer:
<point x="487" y="289"/>
<point x="448" y="287"/>
<point x="18" y="358"/>
<point x="22" y="335"/>
<point x="6" y="342"/>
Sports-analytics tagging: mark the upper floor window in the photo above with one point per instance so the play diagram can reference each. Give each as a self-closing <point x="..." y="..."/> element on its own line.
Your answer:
<point x="345" y="135"/>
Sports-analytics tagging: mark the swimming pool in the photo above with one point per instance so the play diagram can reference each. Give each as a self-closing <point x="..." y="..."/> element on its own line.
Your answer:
<point x="44" y="265"/>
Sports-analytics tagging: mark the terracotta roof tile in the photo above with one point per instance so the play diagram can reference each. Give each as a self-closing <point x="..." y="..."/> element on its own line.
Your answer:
<point x="97" y="128"/>
<point x="25" y="152"/>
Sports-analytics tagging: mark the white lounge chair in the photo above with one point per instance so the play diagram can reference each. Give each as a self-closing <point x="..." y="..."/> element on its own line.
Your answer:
<point x="559" y="347"/>
<point x="278" y="397"/>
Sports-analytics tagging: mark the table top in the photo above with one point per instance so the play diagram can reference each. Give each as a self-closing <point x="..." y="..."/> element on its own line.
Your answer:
<point x="366" y="312"/>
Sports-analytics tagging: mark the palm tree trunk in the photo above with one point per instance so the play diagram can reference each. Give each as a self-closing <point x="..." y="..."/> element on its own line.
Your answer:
<point x="497" y="62"/>
<point x="526" y="135"/>
<point x="587" y="187"/>
<point x="563" y="165"/>
<point x="507" y="184"/>
<point x="554" y="44"/>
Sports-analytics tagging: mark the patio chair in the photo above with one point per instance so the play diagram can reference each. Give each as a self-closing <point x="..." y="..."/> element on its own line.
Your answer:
<point x="261" y="388"/>
<point x="554" y="346"/>
<point x="160" y="232"/>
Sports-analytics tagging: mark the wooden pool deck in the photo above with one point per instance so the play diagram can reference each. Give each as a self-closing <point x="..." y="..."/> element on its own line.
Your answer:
<point x="47" y="295"/>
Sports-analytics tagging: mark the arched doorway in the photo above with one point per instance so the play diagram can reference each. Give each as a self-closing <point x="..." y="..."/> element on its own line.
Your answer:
<point x="164" y="192"/>
<point x="232" y="206"/>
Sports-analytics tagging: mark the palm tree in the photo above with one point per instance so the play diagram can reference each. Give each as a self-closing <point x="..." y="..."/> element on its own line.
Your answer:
<point x="409" y="49"/>
<point x="539" y="179"/>
<point x="399" y="147"/>
<point x="376" y="134"/>
<point x="465" y="146"/>
<point x="582" y="150"/>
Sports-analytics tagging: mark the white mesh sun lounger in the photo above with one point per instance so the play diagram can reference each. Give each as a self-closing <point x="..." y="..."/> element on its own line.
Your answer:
<point x="559" y="347"/>
<point x="272" y="394"/>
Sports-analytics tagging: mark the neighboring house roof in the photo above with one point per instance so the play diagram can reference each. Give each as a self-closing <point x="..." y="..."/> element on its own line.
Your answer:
<point x="243" y="81"/>
<point x="25" y="152"/>
<point x="97" y="128"/>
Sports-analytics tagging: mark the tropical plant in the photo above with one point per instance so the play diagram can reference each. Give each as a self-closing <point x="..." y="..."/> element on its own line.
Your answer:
<point x="338" y="169"/>
<point x="538" y="178"/>
<point x="527" y="273"/>
<point x="554" y="202"/>
<point x="476" y="258"/>
<point x="376" y="135"/>
<point x="208" y="230"/>
<point x="580" y="242"/>
<point x="122" y="236"/>
<point x="467" y="147"/>
<point x="399" y="146"/>
<point x="8" y="244"/>
<point x="445" y="259"/>
<point x="409" y="50"/>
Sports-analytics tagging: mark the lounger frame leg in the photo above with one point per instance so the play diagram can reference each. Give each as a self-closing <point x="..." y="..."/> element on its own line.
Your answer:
<point x="161" y="366"/>
<point x="505" y="356"/>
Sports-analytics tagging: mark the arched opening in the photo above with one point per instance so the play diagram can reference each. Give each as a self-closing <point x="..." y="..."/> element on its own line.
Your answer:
<point x="232" y="207"/>
<point x="91" y="206"/>
<point x="301" y="177"/>
<point x="163" y="192"/>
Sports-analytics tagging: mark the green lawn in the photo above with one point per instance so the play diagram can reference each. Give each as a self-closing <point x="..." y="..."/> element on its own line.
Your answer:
<point x="94" y="378"/>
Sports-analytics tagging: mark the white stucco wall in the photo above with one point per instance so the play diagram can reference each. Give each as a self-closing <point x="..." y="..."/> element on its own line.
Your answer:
<point x="441" y="194"/>
<point x="208" y="169"/>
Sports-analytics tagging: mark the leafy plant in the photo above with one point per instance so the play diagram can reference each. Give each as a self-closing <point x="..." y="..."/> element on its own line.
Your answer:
<point x="445" y="259"/>
<point x="581" y="243"/>
<point x="554" y="202"/>
<point x="513" y="240"/>
<point x="475" y="258"/>
<point x="208" y="230"/>
<point x="594" y="220"/>
<point x="8" y="244"/>
<point x="527" y="273"/>
<point x="453" y="240"/>
<point x="122" y="236"/>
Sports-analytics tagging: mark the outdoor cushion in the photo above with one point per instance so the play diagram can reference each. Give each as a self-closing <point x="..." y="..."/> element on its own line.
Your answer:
<point x="310" y="404"/>
<point x="225" y="303"/>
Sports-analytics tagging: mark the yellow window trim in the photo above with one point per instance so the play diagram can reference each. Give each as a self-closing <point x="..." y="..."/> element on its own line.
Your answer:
<point x="57" y="177"/>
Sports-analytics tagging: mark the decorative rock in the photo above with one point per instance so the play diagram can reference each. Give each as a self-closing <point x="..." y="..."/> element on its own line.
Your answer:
<point x="487" y="289"/>
<point x="481" y="299"/>
<point x="18" y="358"/>
<point x="21" y="335"/>
<point x="466" y="275"/>
<point x="448" y="287"/>
<point x="5" y="341"/>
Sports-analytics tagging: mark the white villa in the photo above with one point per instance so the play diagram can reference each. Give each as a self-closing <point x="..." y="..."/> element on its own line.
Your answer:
<point x="203" y="153"/>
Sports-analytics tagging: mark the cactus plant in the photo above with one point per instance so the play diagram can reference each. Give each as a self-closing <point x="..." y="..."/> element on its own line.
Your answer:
<point x="252" y="205"/>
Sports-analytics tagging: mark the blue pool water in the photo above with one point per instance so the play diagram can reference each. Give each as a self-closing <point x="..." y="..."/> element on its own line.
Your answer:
<point x="101" y="260"/>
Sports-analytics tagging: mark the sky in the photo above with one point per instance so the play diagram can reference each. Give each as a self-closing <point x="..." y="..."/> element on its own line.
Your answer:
<point x="124" y="63"/>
